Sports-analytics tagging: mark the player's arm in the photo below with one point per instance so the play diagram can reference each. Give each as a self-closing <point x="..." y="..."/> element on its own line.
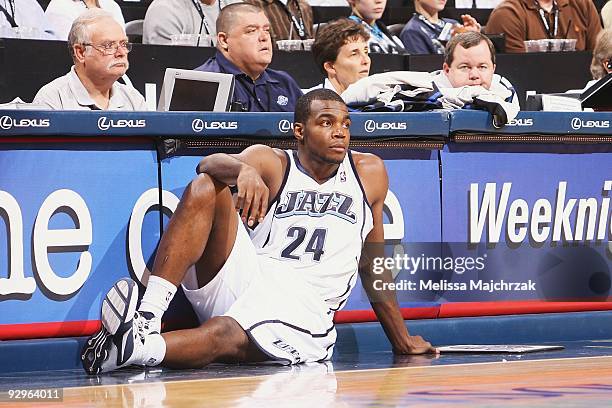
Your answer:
<point x="374" y="178"/>
<point x="257" y="173"/>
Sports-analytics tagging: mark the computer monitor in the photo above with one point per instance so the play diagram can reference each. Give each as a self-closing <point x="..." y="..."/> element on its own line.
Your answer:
<point x="599" y="95"/>
<point x="534" y="101"/>
<point x="188" y="90"/>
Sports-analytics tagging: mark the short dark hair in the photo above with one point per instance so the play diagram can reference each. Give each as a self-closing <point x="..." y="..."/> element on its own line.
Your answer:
<point x="468" y="39"/>
<point x="302" y="106"/>
<point x="334" y="35"/>
<point x="227" y="15"/>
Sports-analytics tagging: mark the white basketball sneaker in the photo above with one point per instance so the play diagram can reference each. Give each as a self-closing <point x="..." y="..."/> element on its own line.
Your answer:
<point x="121" y="339"/>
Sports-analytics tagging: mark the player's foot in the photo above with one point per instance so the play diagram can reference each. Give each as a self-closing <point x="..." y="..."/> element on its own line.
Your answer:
<point x="128" y="343"/>
<point x="120" y="340"/>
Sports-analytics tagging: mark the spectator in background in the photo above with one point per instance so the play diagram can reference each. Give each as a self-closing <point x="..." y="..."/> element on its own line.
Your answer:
<point x="289" y="19"/>
<point x="467" y="81"/>
<point x="61" y="13"/>
<point x="244" y="49"/>
<point x="99" y="48"/>
<point x="606" y="14"/>
<point x="426" y="32"/>
<point x="522" y="20"/>
<point x="328" y="3"/>
<point x="341" y="52"/>
<point x="601" y="64"/>
<point x="368" y="13"/>
<point x="479" y="4"/>
<point x="24" y="19"/>
<point x="166" y="18"/>
<point x="469" y="60"/>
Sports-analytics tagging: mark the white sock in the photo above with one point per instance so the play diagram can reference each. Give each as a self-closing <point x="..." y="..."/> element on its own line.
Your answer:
<point x="155" y="349"/>
<point x="157" y="297"/>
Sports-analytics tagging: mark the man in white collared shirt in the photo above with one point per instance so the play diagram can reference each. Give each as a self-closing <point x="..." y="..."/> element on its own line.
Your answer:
<point x="99" y="49"/>
<point x="341" y="52"/>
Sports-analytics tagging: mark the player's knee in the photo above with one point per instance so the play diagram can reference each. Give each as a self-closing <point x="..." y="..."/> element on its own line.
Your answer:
<point x="200" y="192"/>
<point x="231" y="340"/>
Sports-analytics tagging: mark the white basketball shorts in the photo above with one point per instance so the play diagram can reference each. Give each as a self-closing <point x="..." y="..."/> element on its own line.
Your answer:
<point x="280" y="312"/>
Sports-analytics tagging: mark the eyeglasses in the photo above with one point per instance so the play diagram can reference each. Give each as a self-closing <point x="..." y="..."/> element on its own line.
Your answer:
<point x="110" y="48"/>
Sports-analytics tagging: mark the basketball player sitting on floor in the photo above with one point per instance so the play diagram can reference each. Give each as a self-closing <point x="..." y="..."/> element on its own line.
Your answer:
<point x="271" y="296"/>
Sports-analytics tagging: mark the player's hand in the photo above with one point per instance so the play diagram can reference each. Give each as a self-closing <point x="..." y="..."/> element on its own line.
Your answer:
<point x="252" y="197"/>
<point x="416" y="345"/>
<point x="412" y="359"/>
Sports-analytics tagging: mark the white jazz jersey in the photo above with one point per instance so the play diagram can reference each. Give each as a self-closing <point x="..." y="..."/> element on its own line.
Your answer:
<point x="318" y="229"/>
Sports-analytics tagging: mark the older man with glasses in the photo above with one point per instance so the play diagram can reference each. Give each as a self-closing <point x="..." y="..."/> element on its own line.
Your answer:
<point x="99" y="49"/>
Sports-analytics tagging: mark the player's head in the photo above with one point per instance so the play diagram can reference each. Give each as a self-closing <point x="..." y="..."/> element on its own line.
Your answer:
<point x="321" y="126"/>
<point x="469" y="59"/>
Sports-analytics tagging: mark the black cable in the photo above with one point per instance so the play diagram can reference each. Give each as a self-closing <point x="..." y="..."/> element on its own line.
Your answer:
<point x="10" y="17"/>
<point x="198" y="6"/>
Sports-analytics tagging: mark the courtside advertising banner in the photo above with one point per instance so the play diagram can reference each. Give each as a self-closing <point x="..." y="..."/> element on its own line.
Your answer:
<point x="84" y="197"/>
<point x="536" y="223"/>
<point x="73" y="222"/>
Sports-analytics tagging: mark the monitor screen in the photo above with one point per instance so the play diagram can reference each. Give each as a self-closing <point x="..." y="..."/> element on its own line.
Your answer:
<point x="534" y="101"/>
<point x="188" y="90"/>
<point x="191" y="95"/>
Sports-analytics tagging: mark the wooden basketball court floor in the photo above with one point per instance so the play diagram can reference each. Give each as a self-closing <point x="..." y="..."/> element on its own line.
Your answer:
<point x="579" y="375"/>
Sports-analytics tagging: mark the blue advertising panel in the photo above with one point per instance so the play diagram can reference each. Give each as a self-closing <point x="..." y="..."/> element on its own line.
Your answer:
<point x="104" y="123"/>
<point x="412" y="212"/>
<point x="74" y="220"/>
<point x="77" y="214"/>
<point x="544" y="123"/>
<point x="539" y="220"/>
<point x="207" y="124"/>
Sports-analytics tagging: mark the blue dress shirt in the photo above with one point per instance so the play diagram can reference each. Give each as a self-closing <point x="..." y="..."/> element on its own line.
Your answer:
<point x="273" y="91"/>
